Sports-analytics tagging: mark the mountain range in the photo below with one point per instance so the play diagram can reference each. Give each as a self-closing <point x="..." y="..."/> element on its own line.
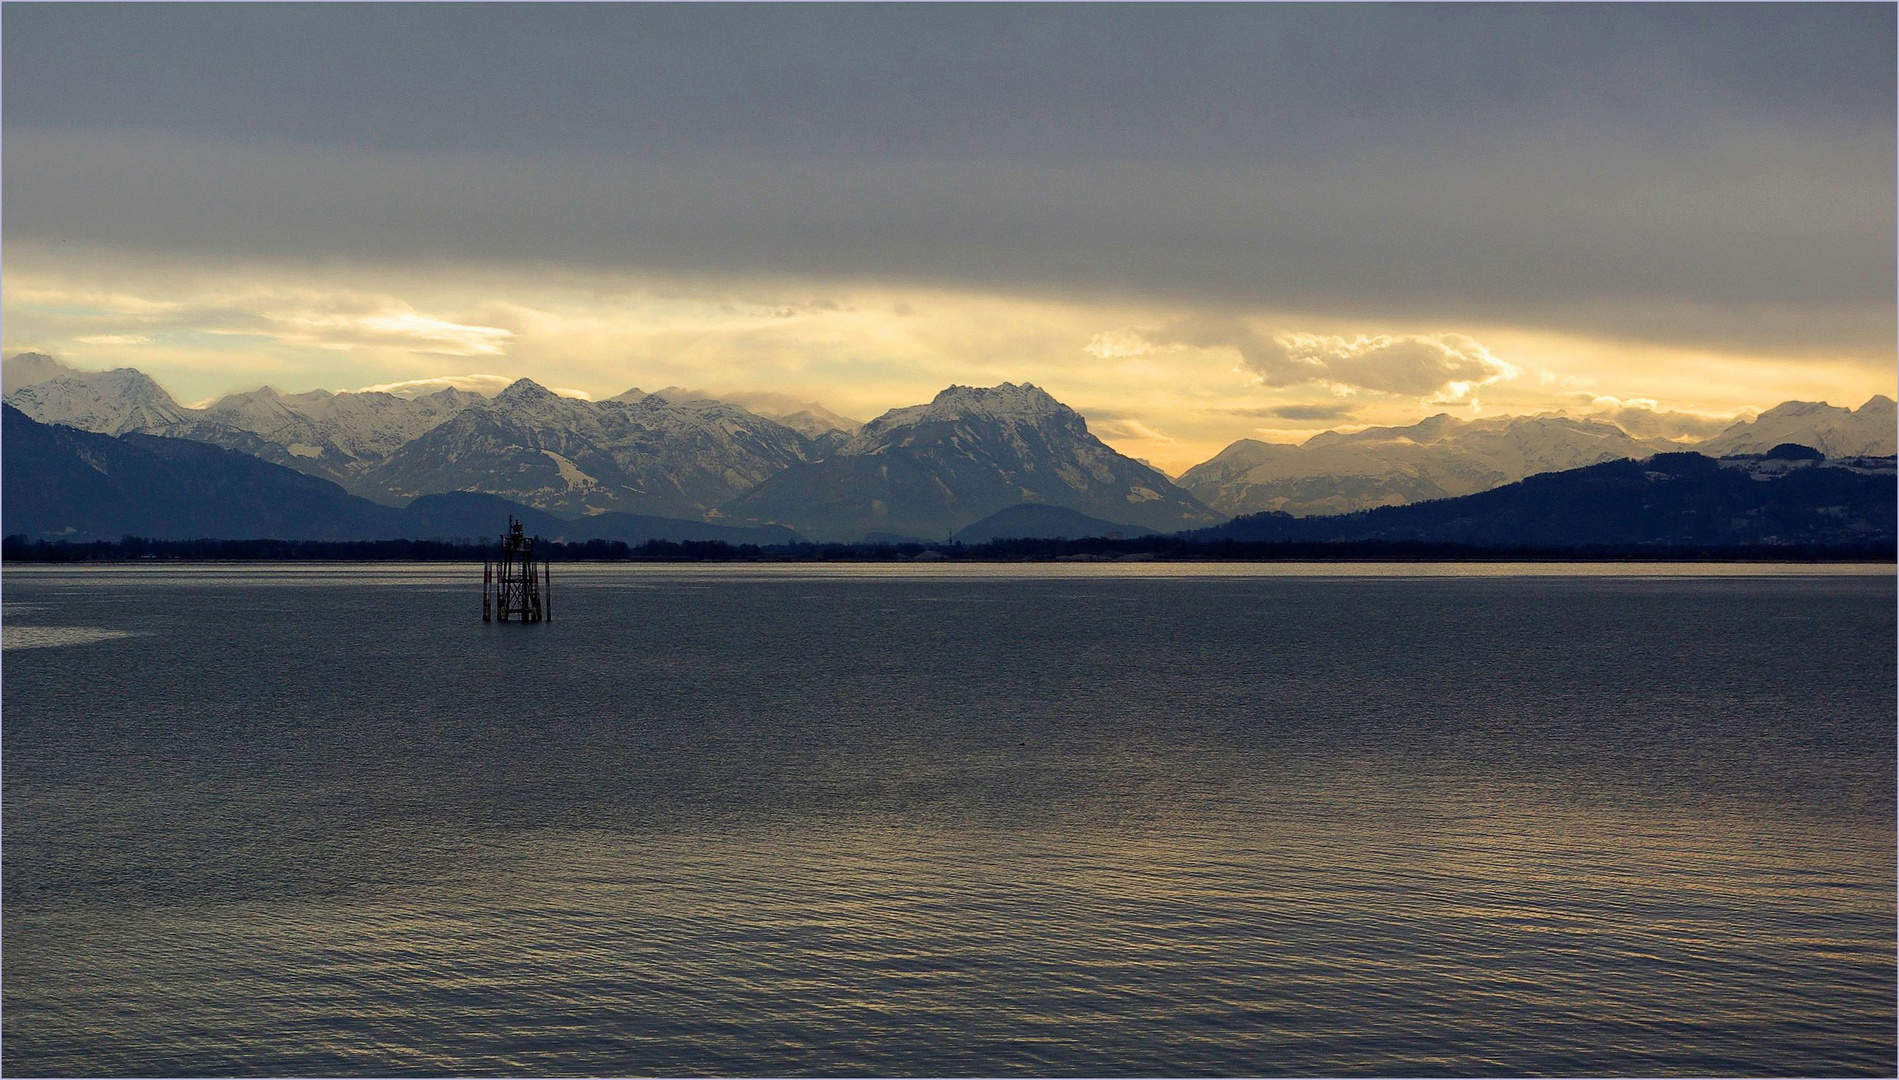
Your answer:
<point x="334" y="436"/>
<point x="925" y="472"/>
<point x="649" y="456"/>
<point x="652" y="454"/>
<point x="63" y="483"/>
<point x="1791" y="496"/>
<point x="1872" y="430"/>
<point x="1444" y="457"/>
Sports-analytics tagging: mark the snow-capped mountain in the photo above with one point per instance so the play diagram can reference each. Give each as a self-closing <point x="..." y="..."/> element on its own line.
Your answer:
<point x="1439" y="457"/>
<point x="335" y="436"/>
<point x="112" y="402"/>
<point x="826" y="430"/>
<point x="362" y="426"/>
<point x="921" y="471"/>
<point x="1678" y="500"/>
<point x="1872" y="430"/>
<point x="663" y="454"/>
<point x="929" y="470"/>
<point x="645" y="456"/>
<point x="62" y="483"/>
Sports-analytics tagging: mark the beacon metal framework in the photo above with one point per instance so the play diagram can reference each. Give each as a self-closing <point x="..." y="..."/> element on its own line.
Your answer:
<point x="519" y="588"/>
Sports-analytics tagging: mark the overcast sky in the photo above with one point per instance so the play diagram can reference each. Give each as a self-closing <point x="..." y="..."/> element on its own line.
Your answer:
<point x="1196" y="223"/>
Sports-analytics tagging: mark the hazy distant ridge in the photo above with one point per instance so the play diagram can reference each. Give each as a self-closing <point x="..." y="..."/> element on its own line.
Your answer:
<point x="1676" y="499"/>
<point x="1442" y="456"/>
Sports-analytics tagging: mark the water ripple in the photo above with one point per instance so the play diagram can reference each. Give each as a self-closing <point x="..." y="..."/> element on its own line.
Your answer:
<point x="1182" y="827"/>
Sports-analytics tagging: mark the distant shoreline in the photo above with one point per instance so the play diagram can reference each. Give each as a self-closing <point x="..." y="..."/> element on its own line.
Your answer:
<point x="15" y="550"/>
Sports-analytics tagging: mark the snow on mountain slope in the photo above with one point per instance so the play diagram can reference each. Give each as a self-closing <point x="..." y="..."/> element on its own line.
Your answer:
<point x="352" y="427"/>
<point x="1006" y="404"/>
<point x="110" y="402"/>
<point x="807" y="418"/>
<point x="334" y="436"/>
<point x="647" y="455"/>
<point x="922" y="469"/>
<point x="1439" y="457"/>
<point x="1872" y="430"/>
<point x="928" y="470"/>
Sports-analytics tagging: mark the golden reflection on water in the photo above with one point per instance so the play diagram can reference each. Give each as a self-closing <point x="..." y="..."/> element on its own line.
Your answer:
<point x="1325" y="931"/>
<point x="53" y="637"/>
<point x="1244" y="826"/>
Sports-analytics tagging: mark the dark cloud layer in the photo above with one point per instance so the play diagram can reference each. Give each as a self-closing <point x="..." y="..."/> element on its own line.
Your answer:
<point x="1697" y="172"/>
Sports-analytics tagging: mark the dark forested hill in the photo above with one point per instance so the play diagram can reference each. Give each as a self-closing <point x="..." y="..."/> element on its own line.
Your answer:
<point x="62" y="482"/>
<point x="1682" y="500"/>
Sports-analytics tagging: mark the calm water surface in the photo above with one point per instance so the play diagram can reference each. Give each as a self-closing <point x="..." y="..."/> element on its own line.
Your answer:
<point x="1072" y="820"/>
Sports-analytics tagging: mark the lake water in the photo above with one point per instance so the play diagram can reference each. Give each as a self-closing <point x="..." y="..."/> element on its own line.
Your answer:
<point x="1095" y="820"/>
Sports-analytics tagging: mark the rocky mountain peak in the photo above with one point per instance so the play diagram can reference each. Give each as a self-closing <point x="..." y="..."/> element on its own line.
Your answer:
<point x="524" y="392"/>
<point x="137" y="382"/>
<point x="928" y="470"/>
<point x="1003" y="401"/>
<point x="450" y="396"/>
<point x="263" y="395"/>
<point x="1801" y="408"/>
<point x="1001" y="408"/>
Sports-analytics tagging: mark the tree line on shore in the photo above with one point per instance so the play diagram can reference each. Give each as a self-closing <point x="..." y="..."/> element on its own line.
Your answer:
<point x="18" y="549"/>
